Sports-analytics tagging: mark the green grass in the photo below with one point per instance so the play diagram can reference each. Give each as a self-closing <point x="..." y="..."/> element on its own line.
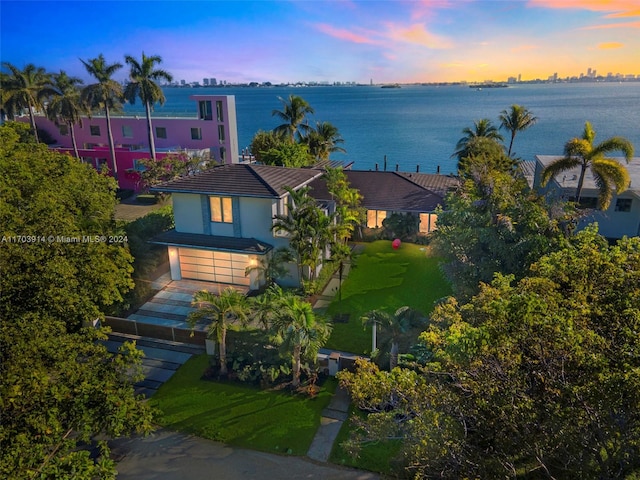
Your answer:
<point x="376" y="457"/>
<point x="385" y="279"/>
<point x="237" y="414"/>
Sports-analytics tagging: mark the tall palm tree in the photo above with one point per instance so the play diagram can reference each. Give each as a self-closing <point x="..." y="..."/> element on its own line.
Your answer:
<point x="608" y="174"/>
<point x="229" y="310"/>
<point x="66" y="105"/>
<point x="299" y="331"/>
<point x="323" y="140"/>
<point x="25" y="89"/>
<point x="516" y="119"/>
<point x="106" y="95"/>
<point x="142" y="84"/>
<point x="481" y="128"/>
<point x="293" y="113"/>
<point x="396" y="324"/>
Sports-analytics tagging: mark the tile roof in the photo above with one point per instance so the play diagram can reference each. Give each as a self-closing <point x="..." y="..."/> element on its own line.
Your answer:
<point x="212" y="242"/>
<point x="385" y="191"/>
<point x="241" y="179"/>
<point x="438" y="184"/>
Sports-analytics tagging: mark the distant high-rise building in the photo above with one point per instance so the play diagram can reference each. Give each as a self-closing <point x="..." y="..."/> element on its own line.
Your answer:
<point x="183" y="82"/>
<point x="213" y="82"/>
<point x="519" y="77"/>
<point x="205" y="82"/>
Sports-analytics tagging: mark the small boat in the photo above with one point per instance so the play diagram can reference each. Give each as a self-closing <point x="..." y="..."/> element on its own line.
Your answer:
<point x="391" y="85"/>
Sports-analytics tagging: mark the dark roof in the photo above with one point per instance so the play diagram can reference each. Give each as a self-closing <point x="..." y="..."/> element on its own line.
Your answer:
<point x="438" y="184"/>
<point x="212" y="242"/>
<point x="247" y="180"/>
<point x="385" y="191"/>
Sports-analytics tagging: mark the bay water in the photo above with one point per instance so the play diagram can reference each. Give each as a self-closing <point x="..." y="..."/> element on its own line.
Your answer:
<point x="418" y="126"/>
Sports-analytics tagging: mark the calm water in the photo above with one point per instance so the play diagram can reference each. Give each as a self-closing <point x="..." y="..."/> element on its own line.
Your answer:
<point x="420" y="125"/>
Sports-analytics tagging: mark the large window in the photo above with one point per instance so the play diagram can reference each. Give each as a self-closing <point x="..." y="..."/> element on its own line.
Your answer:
<point x="623" y="205"/>
<point x="95" y="130"/>
<point x="204" y="107"/>
<point x="375" y="218"/>
<point x="221" y="210"/>
<point x="63" y="129"/>
<point x="428" y="222"/>
<point x="161" y="132"/>
<point x="196" y="134"/>
<point x="219" y="111"/>
<point x="221" y="134"/>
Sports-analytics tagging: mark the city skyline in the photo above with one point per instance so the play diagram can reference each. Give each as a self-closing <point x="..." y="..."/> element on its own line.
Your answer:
<point x="333" y="41"/>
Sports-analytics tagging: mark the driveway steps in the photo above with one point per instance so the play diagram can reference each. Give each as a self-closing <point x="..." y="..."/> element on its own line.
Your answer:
<point x="153" y="320"/>
<point x="171" y="301"/>
<point x="154" y="306"/>
<point x="166" y="315"/>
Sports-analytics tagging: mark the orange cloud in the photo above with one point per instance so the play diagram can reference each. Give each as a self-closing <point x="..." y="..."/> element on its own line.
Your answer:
<point x="524" y="48"/>
<point x="610" y="45"/>
<point x="343" y="34"/>
<point x="416" y="34"/>
<point x="613" y="25"/>
<point x="630" y="13"/>
<point x="620" y="7"/>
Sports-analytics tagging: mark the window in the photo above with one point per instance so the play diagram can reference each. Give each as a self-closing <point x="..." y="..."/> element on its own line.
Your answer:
<point x="204" y="107"/>
<point x="428" y="222"/>
<point x="221" y="135"/>
<point x="375" y="218"/>
<point x="223" y="154"/>
<point x="138" y="166"/>
<point x="196" y="134"/>
<point x="219" y="111"/>
<point x="588" y="202"/>
<point x="221" y="210"/>
<point x="127" y="131"/>
<point x="101" y="164"/>
<point x="63" y="129"/>
<point x="623" y="205"/>
<point x="161" y="132"/>
<point x="95" y="130"/>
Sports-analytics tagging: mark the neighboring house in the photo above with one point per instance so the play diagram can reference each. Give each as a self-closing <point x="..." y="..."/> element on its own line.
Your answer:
<point x="223" y="216"/>
<point x="213" y="130"/>
<point x="223" y="219"/>
<point x="623" y="216"/>
<point x="384" y="193"/>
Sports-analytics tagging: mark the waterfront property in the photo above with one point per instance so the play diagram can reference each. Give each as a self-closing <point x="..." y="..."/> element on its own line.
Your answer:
<point x="212" y="130"/>
<point x="622" y="218"/>
<point x="224" y="216"/>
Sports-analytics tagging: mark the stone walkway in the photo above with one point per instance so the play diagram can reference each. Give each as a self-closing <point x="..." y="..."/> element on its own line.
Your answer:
<point x="331" y="422"/>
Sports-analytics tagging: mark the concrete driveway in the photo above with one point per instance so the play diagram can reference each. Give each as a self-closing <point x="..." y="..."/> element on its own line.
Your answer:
<point x="169" y="455"/>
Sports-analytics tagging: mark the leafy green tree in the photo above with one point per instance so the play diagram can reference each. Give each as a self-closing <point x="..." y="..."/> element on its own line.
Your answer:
<point x="293" y="114"/>
<point x="323" y="140"/>
<point x="142" y="84"/>
<point x="481" y="128"/>
<point x="292" y="155"/>
<point x="402" y="225"/>
<point x="530" y="379"/>
<point x="396" y="325"/>
<point x="494" y="223"/>
<point x="608" y="173"/>
<point x="482" y="155"/>
<point x="264" y="141"/>
<point x="66" y="106"/>
<point x="60" y="392"/>
<point x="105" y="95"/>
<point x="25" y="89"/>
<point x="349" y="212"/>
<point x="299" y="331"/>
<point x="61" y="255"/>
<point x="516" y="119"/>
<point x="228" y="310"/>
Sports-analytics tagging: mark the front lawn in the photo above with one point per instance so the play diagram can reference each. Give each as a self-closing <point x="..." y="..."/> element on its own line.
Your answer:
<point x="385" y="279"/>
<point x="239" y="414"/>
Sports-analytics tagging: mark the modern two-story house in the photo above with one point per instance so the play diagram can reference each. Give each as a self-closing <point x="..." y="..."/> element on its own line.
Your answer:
<point x="622" y="218"/>
<point x="223" y="216"/>
<point x="212" y="130"/>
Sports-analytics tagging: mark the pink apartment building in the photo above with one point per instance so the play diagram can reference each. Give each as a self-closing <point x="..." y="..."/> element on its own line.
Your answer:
<point x="212" y="129"/>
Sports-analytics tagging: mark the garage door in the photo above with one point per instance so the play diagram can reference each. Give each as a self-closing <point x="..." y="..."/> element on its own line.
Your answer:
<point x="221" y="267"/>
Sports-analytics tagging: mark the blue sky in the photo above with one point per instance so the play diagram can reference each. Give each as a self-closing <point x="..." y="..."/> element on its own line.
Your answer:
<point x="339" y="40"/>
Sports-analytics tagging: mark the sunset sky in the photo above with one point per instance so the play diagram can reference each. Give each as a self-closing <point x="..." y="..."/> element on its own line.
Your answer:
<point x="340" y="40"/>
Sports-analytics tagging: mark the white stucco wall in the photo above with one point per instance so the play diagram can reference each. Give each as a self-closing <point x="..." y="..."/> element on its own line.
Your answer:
<point x="187" y="211"/>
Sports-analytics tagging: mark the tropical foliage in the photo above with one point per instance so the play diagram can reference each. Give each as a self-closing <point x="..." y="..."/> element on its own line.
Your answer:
<point x="323" y="140"/>
<point x="516" y="119"/>
<point x="65" y="105"/>
<point x="608" y="174"/>
<point x="482" y="128"/>
<point x="142" y="84"/>
<point x="105" y="95"/>
<point x="395" y="325"/>
<point x="293" y="115"/>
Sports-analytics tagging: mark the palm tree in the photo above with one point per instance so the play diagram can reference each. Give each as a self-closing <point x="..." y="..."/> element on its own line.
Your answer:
<point x="143" y="85"/>
<point x="299" y="331"/>
<point x="66" y="106"/>
<point x="607" y="172"/>
<point x="293" y="113"/>
<point x="229" y="310"/>
<point x="395" y="324"/>
<point x="481" y="128"/>
<point x="323" y="140"/>
<point x="516" y="119"/>
<point x="106" y="94"/>
<point x="25" y="89"/>
<point x="273" y="265"/>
